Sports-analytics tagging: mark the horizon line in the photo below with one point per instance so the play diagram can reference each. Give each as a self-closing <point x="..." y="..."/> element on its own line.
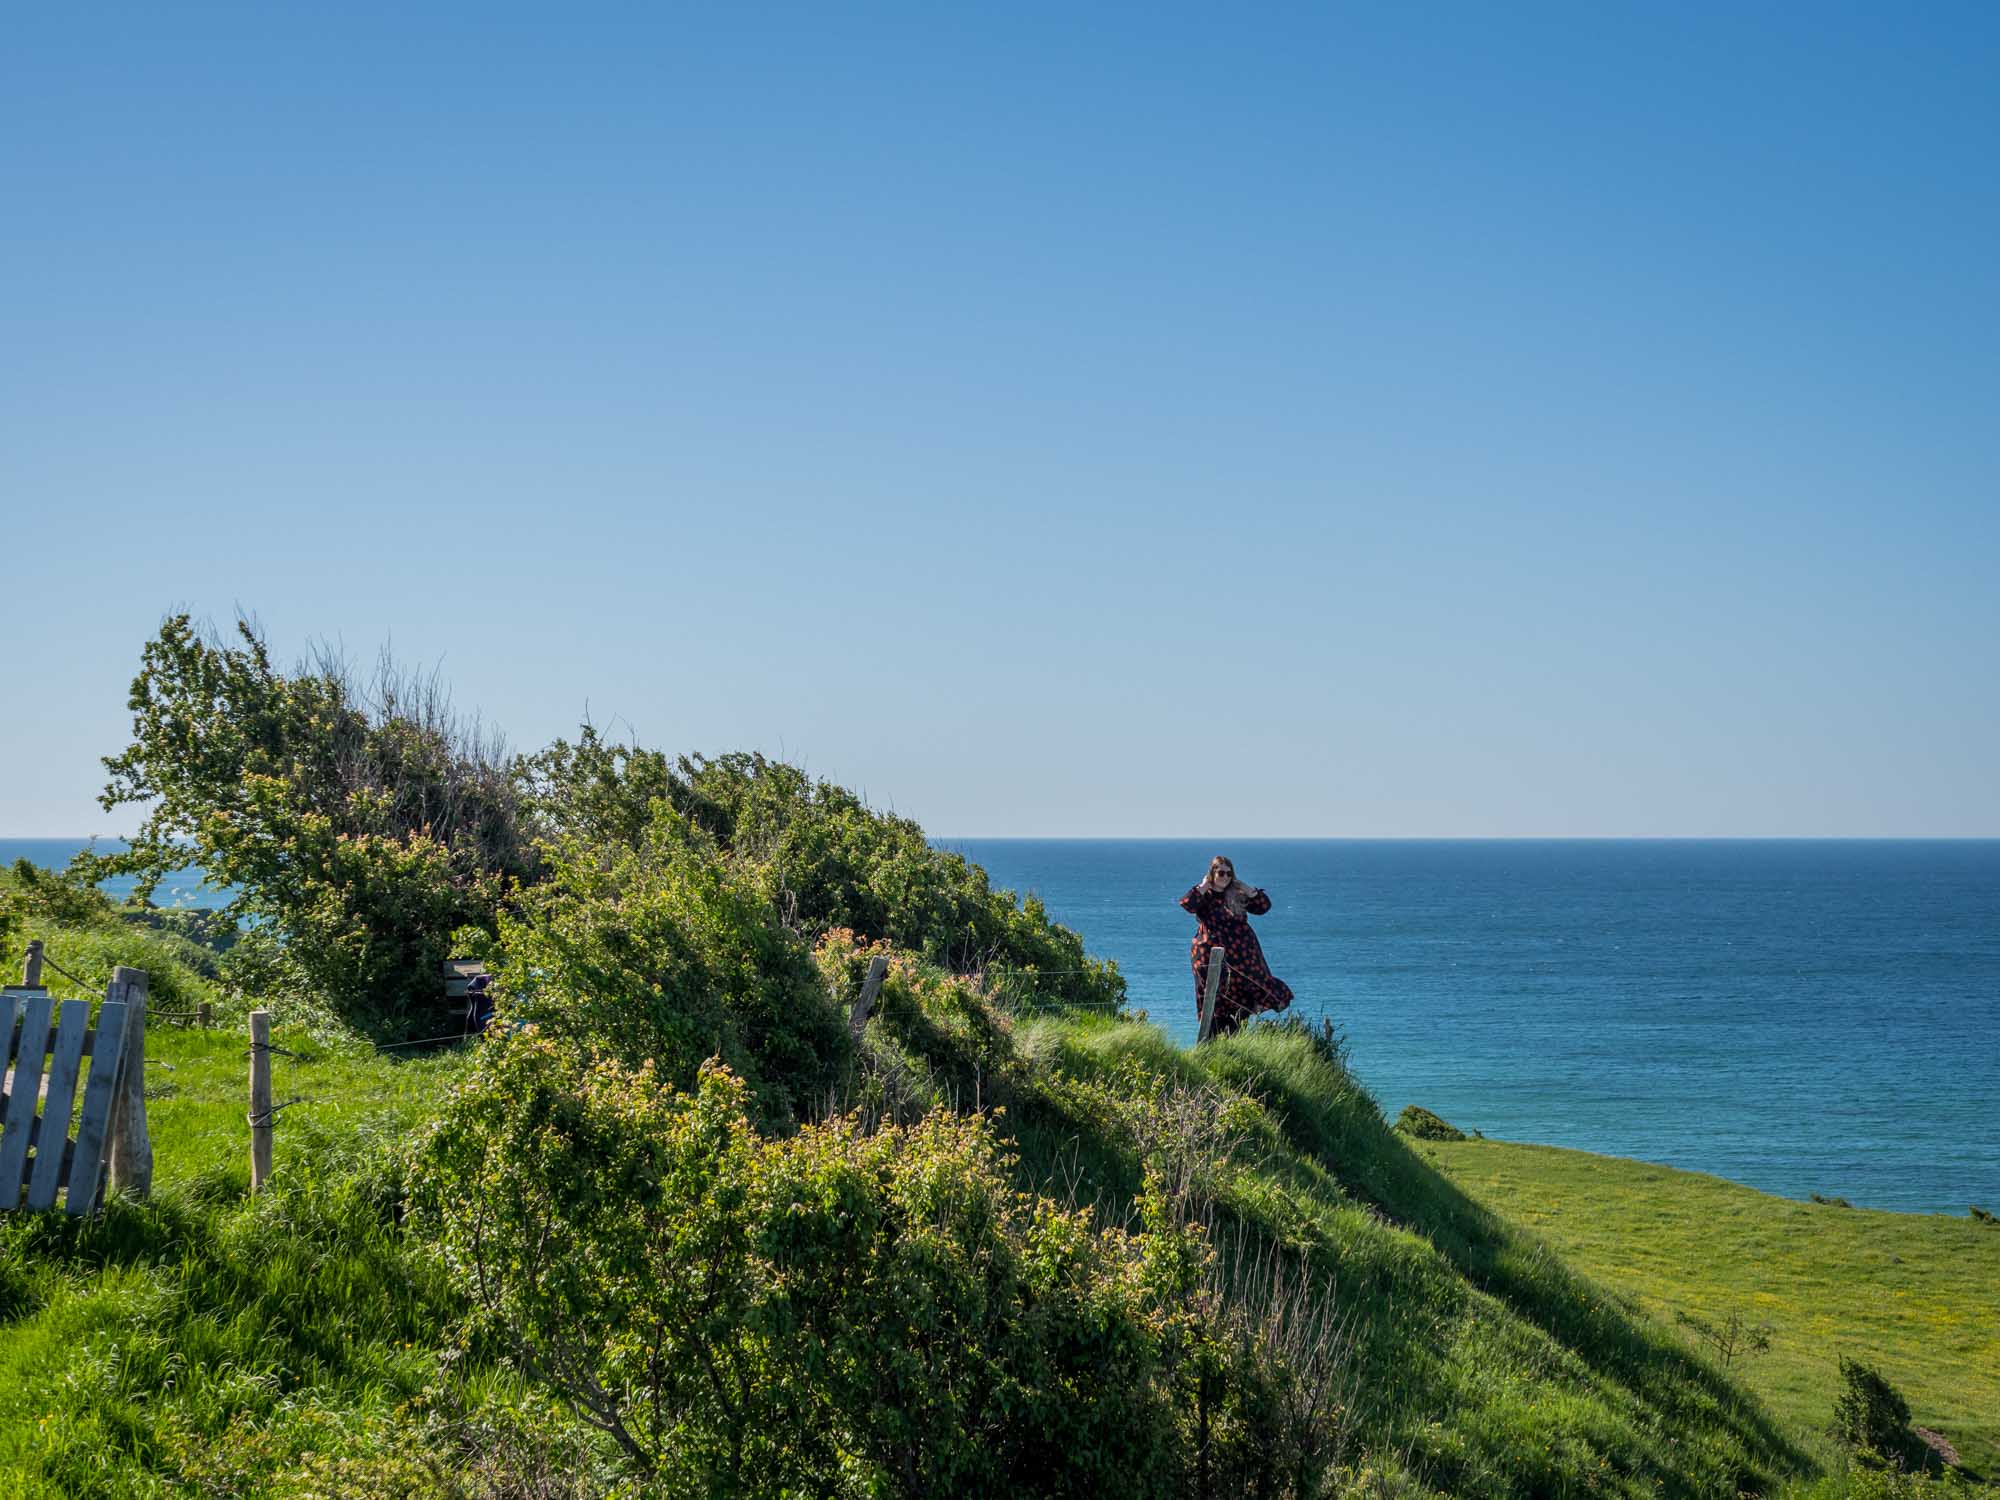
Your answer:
<point x="1325" y="838"/>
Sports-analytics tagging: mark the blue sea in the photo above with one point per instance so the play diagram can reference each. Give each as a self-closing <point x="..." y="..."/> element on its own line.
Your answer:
<point x="1802" y="1016"/>
<point x="183" y="889"/>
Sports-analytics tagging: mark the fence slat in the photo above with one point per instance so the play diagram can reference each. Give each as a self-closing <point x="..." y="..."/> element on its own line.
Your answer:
<point x="86" y="1170"/>
<point x="1218" y="958"/>
<point x="22" y="1099"/>
<point x="65" y="1063"/>
<point x="10" y="1006"/>
<point x="10" y="1012"/>
<point x="129" y="1146"/>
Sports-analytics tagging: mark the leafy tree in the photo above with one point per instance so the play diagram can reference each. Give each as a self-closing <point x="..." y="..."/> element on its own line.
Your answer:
<point x="365" y="825"/>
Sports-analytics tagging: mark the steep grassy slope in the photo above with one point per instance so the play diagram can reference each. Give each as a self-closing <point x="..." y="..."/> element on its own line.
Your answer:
<point x="1915" y="1295"/>
<point x="1477" y="1363"/>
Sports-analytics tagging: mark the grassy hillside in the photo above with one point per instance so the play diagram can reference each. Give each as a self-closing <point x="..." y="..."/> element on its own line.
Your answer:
<point x="1915" y="1295"/>
<point x="268" y="1347"/>
<point x="1358" y="1315"/>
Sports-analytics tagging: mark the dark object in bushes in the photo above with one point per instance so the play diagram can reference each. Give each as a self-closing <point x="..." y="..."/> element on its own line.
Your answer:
<point x="1831" y="1202"/>
<point x="1870" y="1413"/>
<point x="1981" y="1216"/>
<point x="1423" y="1125"/>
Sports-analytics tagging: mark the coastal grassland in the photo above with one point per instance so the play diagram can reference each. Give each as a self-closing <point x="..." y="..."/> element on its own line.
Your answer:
<point x="1475" y="1362"/>
<point x="203" y="1342"/>
<point x="1917" y="1296"/>
<point x="1354" y="1323"/>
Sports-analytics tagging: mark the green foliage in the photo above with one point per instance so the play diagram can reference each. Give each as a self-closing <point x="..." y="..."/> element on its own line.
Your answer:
<point x="364" y="825"/>
<point x="212" y="932"/>
<point x="173" y="966"/>
<point x="53" y="898"/>
<point x="823" y="859"/>
<point x="1421" y="1124"/>
<point x="1886" y="1482"/>
<point x="1870" y="1413"/>
<point x="841" y="1311"/>
<point x="596" y="793"/>
<point x="669" y="952"/>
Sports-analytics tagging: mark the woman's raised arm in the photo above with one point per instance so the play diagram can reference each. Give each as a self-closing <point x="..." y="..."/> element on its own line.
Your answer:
<point x="1258" y="904"/>
<point x="1199" y="900"/>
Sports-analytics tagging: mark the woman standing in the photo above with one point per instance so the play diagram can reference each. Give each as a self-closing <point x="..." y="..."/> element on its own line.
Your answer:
<point x="1222" y="904"/>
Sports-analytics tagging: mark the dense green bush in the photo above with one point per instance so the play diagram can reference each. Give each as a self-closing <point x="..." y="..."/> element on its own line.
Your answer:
<point x="840" y="1312"/>
<point x="1421" y="1124"/>
<point x="1870" y="1413"/>
<point x="364" y="823"/>
<point x="822" y="857"/>
<point x="52" y="898"/>
<point x="670" y="952"/>
<point x="835" y="863"/>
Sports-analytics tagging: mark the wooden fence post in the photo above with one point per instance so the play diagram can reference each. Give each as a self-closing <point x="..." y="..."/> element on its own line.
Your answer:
<point x="857" y="1020"/>
<point x="204" y="1015"/>
<point x="131" y="1146"/>
<point x="1218" y="960"/>
<point x="31" y="971"/>
<point x="260" y="1098"/>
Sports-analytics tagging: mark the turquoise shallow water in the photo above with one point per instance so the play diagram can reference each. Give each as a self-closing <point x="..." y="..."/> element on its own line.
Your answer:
<point x="1802" y="1016"/>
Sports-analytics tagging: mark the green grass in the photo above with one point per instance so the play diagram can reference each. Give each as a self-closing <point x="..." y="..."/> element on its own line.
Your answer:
<point x="197" y="1097"/>
<point x="1479" y="1363"/>
<point x="301" y="1343"/>
<point x="1915" y="1295"/>
<point x="202" y="1342"/>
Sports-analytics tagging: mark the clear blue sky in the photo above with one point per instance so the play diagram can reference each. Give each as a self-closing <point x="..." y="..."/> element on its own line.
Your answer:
<point x="1457" y="419"/>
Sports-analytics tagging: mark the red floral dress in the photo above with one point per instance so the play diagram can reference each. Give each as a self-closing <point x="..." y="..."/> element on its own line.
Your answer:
<point x="1248" y="985"/>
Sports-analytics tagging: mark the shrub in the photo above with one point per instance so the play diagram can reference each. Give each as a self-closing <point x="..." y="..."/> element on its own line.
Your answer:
<point x="203" y="927"/>
<point x="1421" y="1124"/>
<point x="364" y="823"/>
<point x="838" y="1312"/>
<point x="1870" y="1413"/>
<point x="670" y="952"/>
<point x="821" y="856"/>
<point x="53" y="898"/>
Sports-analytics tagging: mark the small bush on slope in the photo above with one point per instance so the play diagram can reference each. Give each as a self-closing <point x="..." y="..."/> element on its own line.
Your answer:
<point x="1420" y="1123"/>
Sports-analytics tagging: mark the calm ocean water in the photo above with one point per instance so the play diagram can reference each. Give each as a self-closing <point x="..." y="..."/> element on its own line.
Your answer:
<point x="1810" y="1016"/>
<point x="185" y="889"/>
<point x="1802" y="1016"/>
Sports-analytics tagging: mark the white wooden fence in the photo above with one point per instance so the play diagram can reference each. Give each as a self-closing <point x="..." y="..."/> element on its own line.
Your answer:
<point x="61" y="1072"/>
